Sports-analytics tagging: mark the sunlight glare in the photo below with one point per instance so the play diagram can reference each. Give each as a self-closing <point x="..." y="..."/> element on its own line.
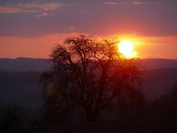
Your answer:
<point x="126" y="48"/>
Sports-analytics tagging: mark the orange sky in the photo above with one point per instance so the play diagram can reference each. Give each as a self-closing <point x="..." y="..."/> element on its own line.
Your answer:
<point x="40" y="47"/>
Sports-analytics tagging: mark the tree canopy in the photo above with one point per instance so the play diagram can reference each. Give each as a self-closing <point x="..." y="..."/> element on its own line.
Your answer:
<point x="90" y="74"/>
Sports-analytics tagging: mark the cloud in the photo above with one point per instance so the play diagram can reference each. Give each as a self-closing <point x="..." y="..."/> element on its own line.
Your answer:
<point x="62" y="36"/>
<point x="138" y="3"/>
<point x="125" y="2"/>
<point x="43" y="15"/>
<point x="44" y="6"/>
<point x="72" y="28"/>
<point x="9" y="10"/>
<point x="30" y="7"/>
<point x="129" y="2"/>
<point x="110" y="3"/>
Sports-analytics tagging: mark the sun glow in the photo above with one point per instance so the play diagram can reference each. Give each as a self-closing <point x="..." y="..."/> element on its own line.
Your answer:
<point x="126" y="49"/>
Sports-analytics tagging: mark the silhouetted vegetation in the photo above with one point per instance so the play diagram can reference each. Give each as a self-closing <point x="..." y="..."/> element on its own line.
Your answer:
<point x="88" y="76"/>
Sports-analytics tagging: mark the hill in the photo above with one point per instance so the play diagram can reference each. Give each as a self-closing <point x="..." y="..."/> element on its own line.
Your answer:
<point x="23" y="64"/>
<point x="21" y="88"/>
<point x="158" y="63"/>
<point x="31" y="64"/>
<point x="19" y="79"/>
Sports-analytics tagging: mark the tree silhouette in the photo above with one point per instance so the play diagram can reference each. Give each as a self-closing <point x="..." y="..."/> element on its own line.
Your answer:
<point x="90" y="74"/>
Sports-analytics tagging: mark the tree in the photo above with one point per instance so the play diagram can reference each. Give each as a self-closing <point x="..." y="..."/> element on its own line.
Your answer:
<point x="90" y="73"/>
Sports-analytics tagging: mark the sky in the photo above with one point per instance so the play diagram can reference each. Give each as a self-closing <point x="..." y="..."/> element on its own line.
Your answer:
<point x="31" y="28"/>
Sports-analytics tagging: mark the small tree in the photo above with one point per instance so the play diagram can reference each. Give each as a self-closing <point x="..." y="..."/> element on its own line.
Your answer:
<point x="90" y="74"/>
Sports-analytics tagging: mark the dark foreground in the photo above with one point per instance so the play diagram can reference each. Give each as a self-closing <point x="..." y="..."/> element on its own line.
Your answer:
<point x="121" y="126"/>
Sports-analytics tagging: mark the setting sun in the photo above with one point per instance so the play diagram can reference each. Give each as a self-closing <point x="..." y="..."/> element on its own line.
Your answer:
<point x="126" y="48"/>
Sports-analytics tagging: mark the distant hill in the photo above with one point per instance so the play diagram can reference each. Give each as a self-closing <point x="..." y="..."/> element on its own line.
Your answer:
<point x="21" y="88"/>
<point x="158" y="81"/>
<point x="23" y="64"/>
<point x="31" y="64"/>
<point x="158" y="63"/>
<point x="19" y="79"/>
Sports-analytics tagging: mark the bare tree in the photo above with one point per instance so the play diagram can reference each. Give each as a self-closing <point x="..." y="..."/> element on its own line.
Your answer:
<point x="90" y="74"/>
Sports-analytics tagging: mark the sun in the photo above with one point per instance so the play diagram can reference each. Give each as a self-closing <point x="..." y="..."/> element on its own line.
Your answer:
<point x="126" y="49"/>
